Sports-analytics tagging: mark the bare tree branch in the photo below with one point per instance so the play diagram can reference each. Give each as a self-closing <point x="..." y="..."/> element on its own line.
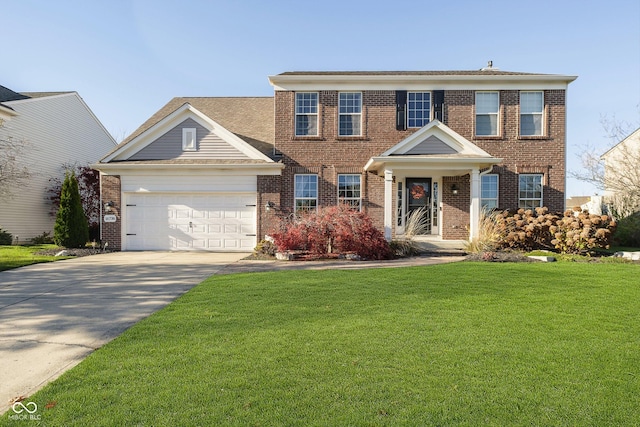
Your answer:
<point x="618" y="172"/>
<point x="14" y="171"/>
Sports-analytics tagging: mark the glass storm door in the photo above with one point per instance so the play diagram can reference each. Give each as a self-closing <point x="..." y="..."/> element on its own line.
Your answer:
<point x="419" y="196"/>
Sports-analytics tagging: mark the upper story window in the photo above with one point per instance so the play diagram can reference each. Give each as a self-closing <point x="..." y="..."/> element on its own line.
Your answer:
<point x="349" y="191"/>
<point x="306" y="114"/>
<point x="418" y="109"/>
<point x="350" y="114"/>
<point x="530" y="191"/>
<point x="487" y="108"/>
<point x="489" y="191"/>
<point x="189" y="139"/>
<point x="531" y="113"/>
<point x="306" y="193"/>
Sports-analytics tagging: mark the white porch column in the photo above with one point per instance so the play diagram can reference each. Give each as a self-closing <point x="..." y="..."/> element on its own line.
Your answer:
<point x="388" y="204"/>
<point x="474" y="214"/>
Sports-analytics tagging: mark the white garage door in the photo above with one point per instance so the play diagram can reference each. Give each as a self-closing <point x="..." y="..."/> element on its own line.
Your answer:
<point x="212" y="222"/>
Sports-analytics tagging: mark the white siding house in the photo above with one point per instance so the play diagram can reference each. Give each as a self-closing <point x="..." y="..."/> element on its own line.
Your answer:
<point x="58" y="128"/>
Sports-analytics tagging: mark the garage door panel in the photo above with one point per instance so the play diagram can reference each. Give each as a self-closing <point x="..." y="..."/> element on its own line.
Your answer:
<point x="190" y="222"/>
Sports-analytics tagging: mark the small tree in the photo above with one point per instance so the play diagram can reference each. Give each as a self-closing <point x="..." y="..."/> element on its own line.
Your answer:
<point x="89" y="188"/>
<point x="71" y="229"/>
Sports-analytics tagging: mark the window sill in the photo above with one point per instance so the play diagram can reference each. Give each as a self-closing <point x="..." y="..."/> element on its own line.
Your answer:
<point x="533" y="138"/>
<point x="352" y="138"/>
<point x="488" y="137"/>
<point x="308" y="138"/>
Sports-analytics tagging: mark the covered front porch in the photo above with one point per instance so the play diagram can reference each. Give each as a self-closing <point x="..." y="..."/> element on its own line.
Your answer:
<point x="438" y="172"/>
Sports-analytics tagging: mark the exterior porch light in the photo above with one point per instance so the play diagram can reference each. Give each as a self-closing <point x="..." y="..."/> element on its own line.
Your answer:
<point x="269" y="206"/>
<point x="454" y="189"/>
<point x="108" y="206"/>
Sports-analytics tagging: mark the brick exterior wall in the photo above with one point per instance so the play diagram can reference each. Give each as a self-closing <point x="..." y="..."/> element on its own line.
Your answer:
<point x="329" y="155"/>
<point x="540" y="154"/>
<point x="268" y="192"/>
<point x="111" y="231"/>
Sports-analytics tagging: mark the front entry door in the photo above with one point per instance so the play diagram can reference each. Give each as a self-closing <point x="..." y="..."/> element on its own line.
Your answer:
<point x="419" y="196"/>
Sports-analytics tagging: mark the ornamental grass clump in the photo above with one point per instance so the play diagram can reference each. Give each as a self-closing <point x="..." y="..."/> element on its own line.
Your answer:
<point x="490" y="234"/>
<point x="416" y="223"/>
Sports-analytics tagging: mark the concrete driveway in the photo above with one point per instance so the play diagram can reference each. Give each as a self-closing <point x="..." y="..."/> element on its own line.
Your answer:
<point x="53" y="315"/>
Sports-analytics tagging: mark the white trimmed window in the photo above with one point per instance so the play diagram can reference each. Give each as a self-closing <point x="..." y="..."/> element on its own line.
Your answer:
<point x="530" y="191"/>
<point x="489" y="191"/>
<point x="306" y="114"/>
<point x="531" y="113"/>
<point x="349" y="191"/>
<point x="306" y="192"/>
<point x="418" y="109"/>
<point x="189" y="139"/>
<point x="487" y="112"/>
<point x="350" y="114"/>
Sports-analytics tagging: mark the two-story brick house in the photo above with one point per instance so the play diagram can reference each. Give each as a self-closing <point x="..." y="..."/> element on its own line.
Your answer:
<point x="384" y="142"/>
<point x="391" y="142"/>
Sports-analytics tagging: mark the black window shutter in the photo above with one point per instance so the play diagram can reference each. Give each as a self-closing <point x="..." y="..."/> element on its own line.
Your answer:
<point x="401" y="110"/>
<point x="438" y="101"/>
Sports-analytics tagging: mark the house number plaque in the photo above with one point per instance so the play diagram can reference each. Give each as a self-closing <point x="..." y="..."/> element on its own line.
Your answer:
<point x="109" y="218"/>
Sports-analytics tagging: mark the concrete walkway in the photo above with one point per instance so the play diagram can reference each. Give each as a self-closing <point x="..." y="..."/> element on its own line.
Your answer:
<point x="53" y="315"/>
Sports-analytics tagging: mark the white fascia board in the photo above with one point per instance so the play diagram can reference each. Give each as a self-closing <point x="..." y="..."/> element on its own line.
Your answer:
<point x="619" y="145"/>
<point x="150" y="135"/>
<point x="6" y="113"/>
<point x="444" y="133"/>
<point x="238" y="143"/>
<point x="193" y="169"/>
<point x="430" y="163"/>
<point x="63" y="95"/>
<point x="186" y="111"/>
<point x="417" y="82"/>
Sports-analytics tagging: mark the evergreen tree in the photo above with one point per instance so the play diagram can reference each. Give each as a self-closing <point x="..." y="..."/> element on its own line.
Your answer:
<point x="71" y="229"/>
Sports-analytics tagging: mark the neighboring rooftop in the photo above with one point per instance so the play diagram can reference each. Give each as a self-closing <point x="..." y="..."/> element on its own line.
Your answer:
<point x="7" y="95"/>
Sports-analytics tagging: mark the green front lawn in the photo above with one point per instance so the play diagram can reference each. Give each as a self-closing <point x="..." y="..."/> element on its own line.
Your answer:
<point x="19" y="256"/>
<point x="456" y="344"/>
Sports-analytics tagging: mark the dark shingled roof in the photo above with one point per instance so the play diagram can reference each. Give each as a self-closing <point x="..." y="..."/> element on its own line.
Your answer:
<point x="9" y="95"/>
<point x="250" y="118"/>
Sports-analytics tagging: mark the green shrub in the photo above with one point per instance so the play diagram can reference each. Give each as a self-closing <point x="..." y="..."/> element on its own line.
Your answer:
<point x="43" y="239"/>
<point x="71" y="229"/>
<point x="628" y="231"/>
<point x="265" y="247"/>
<point x="5" y="237"/>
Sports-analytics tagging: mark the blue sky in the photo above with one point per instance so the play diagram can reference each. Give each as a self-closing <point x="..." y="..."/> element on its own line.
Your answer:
<point x="128" y="58"/>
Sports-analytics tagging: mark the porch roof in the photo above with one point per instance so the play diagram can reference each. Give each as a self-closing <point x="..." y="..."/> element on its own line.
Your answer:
<point x="435" y="147"/>
<point x="451" y="165"/>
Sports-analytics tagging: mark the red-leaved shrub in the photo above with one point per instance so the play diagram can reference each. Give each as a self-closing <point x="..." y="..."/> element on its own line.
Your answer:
<point x="335" y="229"/>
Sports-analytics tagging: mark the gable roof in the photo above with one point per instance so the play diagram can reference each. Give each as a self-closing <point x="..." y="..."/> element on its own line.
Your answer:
<point x="436" y="145"/>
<point x="126" y="151"/>
<point x="7" y="94"/>
<point x="633" y="136"/>
<point x="249" y="118"/>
